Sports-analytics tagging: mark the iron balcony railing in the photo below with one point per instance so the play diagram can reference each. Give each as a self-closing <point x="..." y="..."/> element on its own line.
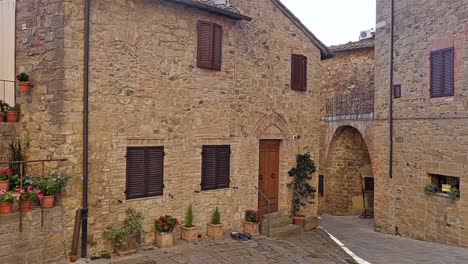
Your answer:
<point x="355" y="105"/>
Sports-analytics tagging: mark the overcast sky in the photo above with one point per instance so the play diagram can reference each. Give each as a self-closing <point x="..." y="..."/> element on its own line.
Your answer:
<point x="334" y="21"/>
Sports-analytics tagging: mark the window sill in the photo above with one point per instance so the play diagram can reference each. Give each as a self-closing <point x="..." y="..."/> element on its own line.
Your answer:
<point x="143" y="199"/>
<point x="214" y="190"/>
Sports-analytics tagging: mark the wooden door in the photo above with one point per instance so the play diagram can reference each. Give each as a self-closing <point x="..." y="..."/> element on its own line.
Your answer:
<point x="268" y="178"/>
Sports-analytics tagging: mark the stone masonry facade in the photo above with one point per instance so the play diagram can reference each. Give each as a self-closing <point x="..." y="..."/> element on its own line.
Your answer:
<point x="347" y="83"/>
<point x="146" y="90"/>
<point x="430" y="134"/>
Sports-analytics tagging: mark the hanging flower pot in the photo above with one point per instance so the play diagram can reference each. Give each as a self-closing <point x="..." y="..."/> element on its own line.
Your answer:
<point x="12" y="116"/>
<point x="24" y="83"/>
<point x="48" y="201"/>
<point x="25" y="206"/>
<point x="6" y="207"/>
<point x="5" y="185"/>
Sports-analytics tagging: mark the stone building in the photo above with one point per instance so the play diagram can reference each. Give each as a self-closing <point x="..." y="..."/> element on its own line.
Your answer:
<point x="188" y="90"/>
<point x="430" y="119"/>
<point x="347" y="101"/>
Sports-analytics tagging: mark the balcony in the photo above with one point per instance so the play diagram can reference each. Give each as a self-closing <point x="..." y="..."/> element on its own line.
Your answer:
<point x="350" y="106"/>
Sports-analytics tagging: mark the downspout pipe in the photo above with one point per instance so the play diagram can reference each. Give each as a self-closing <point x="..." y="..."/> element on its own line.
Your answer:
<point x="390" y="105"/>
<point x="84" y="210"/>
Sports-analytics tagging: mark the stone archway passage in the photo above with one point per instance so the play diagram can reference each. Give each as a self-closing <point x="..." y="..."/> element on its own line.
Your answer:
<point x="348" y="164"/>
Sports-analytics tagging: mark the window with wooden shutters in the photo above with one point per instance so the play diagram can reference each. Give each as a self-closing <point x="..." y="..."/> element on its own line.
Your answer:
<point x="216" y="162"/>
<point x="145" y="172"/>
<point x="442" y="73"/>
<point x="209" y="45"/>
<point x="298" y="72"/>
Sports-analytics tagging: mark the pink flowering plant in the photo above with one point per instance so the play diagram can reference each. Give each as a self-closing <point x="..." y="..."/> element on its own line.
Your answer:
<point x="166" y="224"/>
<point x="8" y="197"/>
<point x="5" y="174"/>
<point x="29" y="193"/>
<point x="253" y="216"/>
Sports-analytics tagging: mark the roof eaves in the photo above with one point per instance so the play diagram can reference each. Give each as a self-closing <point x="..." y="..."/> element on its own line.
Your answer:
<point x="324" y="51"/>
<point x="212" y="9"/>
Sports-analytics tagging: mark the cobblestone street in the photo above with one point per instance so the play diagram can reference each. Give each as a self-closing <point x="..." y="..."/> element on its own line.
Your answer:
<point x="310" y="247"/>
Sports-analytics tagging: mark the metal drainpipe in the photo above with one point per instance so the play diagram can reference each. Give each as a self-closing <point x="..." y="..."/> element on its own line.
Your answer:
<point x="84" y="210"/>
<point x="390" y="162"/>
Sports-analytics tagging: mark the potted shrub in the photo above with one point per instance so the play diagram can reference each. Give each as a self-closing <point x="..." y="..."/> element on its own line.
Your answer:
<point x="12" y="113"/>
<point x="303" y="193"/>
<point x="2" y="110"/>
<point x="5" y="175"/>
<point x="27" y="195"/>
<point x="6" y="201"/>
<point x="454" y="194"/>
<point x="252" y="219"/>
<point x="163" y="227"/>
<point x="124" y="239"/>
<point x="189" y="232"/>
<point x="50" y="186"/>
<point x="24" y="84"/>
<point x="430" y="189"/>
<point x="215" y="228"/>
<point x="61" y="181"/>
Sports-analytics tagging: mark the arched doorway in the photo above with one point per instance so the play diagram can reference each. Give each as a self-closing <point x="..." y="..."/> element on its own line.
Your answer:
<point x="348" y="183"/>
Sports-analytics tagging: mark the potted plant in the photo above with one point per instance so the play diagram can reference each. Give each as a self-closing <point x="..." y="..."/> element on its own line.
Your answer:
<point x="48" y="189"/>
<point x="5" y="175"/>
<point x="6" y="201"/>
<point x="27" y="195"/>
<point x="303" y="192"/>
<point x="430" y="189"/>
<point x="252" y="219"/>
<point x="189" y="232"/>
<point x="454" y="194"/>
<point x="164" y="226"/>
<point x="12" y="113"/>
<point x="2" y="110"/>
<point x="124" y="238"/>
<point x="61" y="181"/>
<point x="24" y="84"/>
<point x="215" y="228"/>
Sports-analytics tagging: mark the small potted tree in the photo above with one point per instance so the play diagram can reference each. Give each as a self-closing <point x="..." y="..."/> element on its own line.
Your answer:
<point x="215" y="228"/>
<point x="24" y="84"/>
<point x="6" y="201"/>
<point x="5" y="175"/>
<point x="303" y="193"/>
<point x="189" y="232"/>
<point x="134" y="223"/>
<point x="163" y="227"/>
<point x="252" y="219"/>
<point x="124" y="239"/>
<point x="12" y="113"/>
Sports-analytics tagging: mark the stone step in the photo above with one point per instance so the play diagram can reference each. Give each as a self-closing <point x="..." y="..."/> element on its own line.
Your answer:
<point x="285" y="231"/>
<point x="275" y="222"/>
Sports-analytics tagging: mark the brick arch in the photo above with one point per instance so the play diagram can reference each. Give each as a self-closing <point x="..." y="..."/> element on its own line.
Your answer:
<point x="273" y="119"/>
<point x="347" y="160"/>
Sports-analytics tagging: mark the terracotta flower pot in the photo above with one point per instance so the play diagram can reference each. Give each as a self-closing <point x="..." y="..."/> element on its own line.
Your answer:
<point x="25" y="206"/>
<point x="189" y="233"/>
<point x="163" y="240"/>
<point x="24" y="86"/>
<point x="2" y="117"/>
<point x="48" y="201"/>
<point x="299" y="220"/>
<point x="5" y="185"/>
<point x="6" y="208"/>
<point x="129" y="249"/>
<point x="215" y="231"/>
<point x="12" y="116"/>
<point x="250" y="227"/>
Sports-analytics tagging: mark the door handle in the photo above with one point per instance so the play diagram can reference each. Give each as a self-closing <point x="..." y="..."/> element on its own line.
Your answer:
<point x="272" y="175"/>
<point x="260" y="177"/>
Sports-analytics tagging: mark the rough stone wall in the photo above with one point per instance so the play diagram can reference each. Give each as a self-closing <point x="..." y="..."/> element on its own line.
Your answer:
<point x="8" y="134"/>
<point x="430" y="133"/>
<point x="146" y="90"/>
<point x="35" y="244"/>
<point x="346" y="142"/>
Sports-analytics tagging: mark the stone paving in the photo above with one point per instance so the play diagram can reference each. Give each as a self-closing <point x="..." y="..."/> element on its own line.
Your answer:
<point x="377" y="248"/>
<point x="310" y="247"/>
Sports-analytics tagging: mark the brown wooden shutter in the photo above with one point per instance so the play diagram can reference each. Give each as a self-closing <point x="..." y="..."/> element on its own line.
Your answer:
<point x="448" y="71"/>
<point x="223" y="166"/>
<point x="442" y="73"/>
<point x="205" y="45"/>
<point x="135" y="172"/>
<point x="155" y="171"/>
<point x="217" y="46"/>
<point x="298" y="72"/>
<point x="208" y="168"/>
